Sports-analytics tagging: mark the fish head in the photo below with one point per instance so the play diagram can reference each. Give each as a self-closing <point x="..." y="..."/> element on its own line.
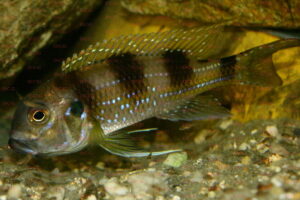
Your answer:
<point x="51" y="123"/>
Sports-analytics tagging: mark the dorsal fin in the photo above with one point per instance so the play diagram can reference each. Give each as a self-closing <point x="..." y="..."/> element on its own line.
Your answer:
<point x="201" y="43"/>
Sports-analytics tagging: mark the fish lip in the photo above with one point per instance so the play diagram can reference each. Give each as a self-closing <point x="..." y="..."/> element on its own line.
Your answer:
<point x="20" y="146"/>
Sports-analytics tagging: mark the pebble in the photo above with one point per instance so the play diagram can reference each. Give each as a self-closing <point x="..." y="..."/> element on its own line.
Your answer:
<point x="225" y="124"/>
<point x="100" y="165"/>
<point x="145" y="184"/>
<point x="254" y="131"/>
<point x="176" y="159"/>
<point x="273" y="131"/>
<point x="178" y="189"/>
<point x="159" y="198"/>
<point x="274" y="157"/>
<point x="202" y="135"/>
<point x="197" y="177"/>
<point x="244" y="146"/>
<point x="211" y="194"/>
<point x="14" y="191"/>
<point x="276" y="182"/>
<point x="114" y="188"/>
<point x="3" y="197"/>
<point x="58" y="193"/>
<point x="246" y="160"/>
<point x="176" y="197"/>
<point x="91" y="197"/>
<point x="220" y="165"/>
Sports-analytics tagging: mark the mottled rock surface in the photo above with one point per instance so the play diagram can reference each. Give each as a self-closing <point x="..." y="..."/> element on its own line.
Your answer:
<point x="27" y="26"/>
<point x="275" y="13"/>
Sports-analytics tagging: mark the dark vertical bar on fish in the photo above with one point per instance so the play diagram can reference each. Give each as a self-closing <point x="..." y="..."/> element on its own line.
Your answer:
<point x="227" y="66"/>
<point x="178" y="67"/>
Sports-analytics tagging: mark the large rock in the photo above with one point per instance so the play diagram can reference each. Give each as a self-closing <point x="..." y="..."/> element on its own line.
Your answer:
<point x="27" y="26"/>
<point x="273" y="13"/>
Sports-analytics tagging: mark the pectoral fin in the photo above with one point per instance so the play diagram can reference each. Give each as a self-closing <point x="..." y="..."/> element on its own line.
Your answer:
<point x="121" y="143"/>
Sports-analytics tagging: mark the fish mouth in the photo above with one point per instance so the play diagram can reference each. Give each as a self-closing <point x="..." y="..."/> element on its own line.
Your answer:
<point x="20" y="146"/>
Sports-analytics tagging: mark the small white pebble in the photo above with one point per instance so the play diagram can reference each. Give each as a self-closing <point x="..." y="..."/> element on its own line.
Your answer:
<point x="211" y="194"/>
<point x="273" y="131"/>
<point x="276" y="182"/>
<point x="225" y="124"/>
<point x="176" y="159"/>
<point x="244" y="146"/>
<point x="3" y="197"/>
<point x="14" y="191"/>
<point x="91" y="197"/>
<point x="176" y="197"/>
<point x="159" y="198"/>
<point x="114" y="188"/>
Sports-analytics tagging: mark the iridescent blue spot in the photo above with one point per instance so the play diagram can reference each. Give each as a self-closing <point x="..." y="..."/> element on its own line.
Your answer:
<point x="154" y="103"/>
<point x="113" y="101"/>
<point x="127" y="105"/>
<point x="122" y="107"/>
<point x="116" y="115"/>
<point x="124" y="119"/>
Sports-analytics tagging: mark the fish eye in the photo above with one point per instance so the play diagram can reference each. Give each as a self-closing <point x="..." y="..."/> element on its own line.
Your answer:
<point x="37" y="115"/>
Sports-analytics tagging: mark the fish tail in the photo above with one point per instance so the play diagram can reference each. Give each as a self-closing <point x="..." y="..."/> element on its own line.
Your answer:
<point x="255" y="66"/>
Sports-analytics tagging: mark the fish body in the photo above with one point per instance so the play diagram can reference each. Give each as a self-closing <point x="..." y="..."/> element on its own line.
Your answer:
<point x="117" y="83"/>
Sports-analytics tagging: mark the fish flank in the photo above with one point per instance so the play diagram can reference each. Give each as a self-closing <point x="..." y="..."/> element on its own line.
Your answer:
<point x="178" y="67"/>
<point x="228" y="66"/>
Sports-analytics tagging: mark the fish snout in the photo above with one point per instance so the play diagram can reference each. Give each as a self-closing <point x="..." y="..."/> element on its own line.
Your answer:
<point x="21" y="146"/>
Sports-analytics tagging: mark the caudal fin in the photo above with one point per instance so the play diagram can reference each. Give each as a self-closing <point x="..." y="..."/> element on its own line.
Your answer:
<point x="256" y="65"/>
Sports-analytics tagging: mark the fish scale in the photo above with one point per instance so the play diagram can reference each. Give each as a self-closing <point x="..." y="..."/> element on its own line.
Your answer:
<point x="122" y="81"/>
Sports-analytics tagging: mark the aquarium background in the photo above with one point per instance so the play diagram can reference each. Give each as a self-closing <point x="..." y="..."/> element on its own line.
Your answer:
<point x="254" y="154"/>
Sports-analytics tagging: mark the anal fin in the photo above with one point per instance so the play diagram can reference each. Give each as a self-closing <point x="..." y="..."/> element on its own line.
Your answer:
<point x="198" y="108"/>
<point x="121" y="143"/>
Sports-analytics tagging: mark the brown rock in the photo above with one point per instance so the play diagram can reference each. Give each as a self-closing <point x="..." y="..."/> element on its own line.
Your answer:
<point x="273" y="13"/>
<point x="27" y="26"/>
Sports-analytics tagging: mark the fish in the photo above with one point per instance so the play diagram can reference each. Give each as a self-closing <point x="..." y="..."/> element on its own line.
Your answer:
<point x="119" y="82"/>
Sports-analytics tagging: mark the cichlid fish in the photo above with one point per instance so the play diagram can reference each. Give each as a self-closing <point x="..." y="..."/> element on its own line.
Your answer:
<point x="122" y="81"/>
